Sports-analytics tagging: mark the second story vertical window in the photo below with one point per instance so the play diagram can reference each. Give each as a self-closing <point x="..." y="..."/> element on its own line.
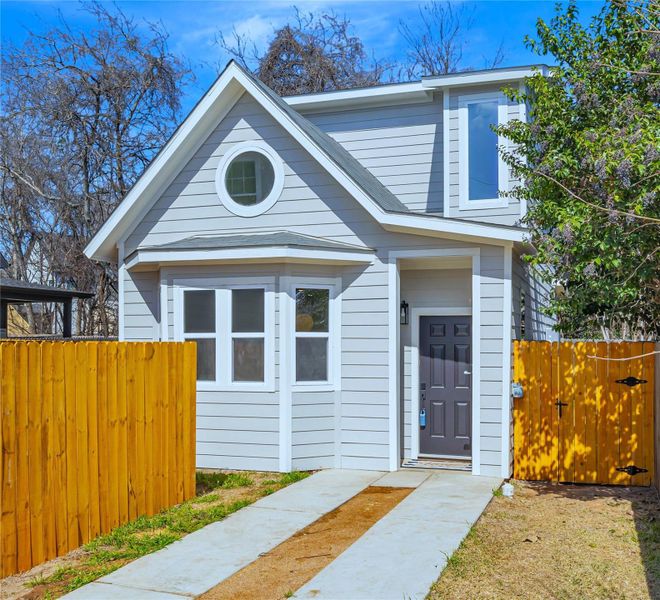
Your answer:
<point x="483" y="173"/>
<point x="482" y="151"/>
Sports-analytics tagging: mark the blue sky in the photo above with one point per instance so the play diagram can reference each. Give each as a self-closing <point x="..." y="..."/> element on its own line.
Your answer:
<point x="193" y="25"/>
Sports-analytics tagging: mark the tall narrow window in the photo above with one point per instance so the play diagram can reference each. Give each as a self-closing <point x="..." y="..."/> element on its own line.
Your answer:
<point x="248" y="334"/>
<point x="483" y="160"/>
<point x="199" y="325"/>
<point x="312" y="334"/>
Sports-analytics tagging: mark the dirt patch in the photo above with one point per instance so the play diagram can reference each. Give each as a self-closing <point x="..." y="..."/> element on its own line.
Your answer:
<point x="295" y="561"/>
<point x="560" y="542"/>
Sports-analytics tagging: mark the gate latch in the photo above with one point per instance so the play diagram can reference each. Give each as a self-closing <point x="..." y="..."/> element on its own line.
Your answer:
<point x="632" y="470"/>
<point x="631" y="381"/>
<point x="559" y="404"/>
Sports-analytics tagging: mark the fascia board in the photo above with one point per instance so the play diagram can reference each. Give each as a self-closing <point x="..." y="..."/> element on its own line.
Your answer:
<point x="468" y="78"/>
<point x="243" y="255"/>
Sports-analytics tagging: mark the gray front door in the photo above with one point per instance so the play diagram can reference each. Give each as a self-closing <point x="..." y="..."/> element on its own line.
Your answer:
<point x="445" y="385"/>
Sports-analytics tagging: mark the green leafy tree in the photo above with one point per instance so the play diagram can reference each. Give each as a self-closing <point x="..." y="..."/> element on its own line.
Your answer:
<point x="589" y="158"/>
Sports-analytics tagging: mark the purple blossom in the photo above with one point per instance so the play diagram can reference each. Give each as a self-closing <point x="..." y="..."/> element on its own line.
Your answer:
<point x="648" y="200"/>
<point x="589" y="270"/>
<point x="567" y="234"/>
<point x="600" y="168"/>
<point x="623" y="172"/>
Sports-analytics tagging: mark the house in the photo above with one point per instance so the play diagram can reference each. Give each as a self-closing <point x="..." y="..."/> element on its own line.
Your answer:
<point x="347" y="266"/>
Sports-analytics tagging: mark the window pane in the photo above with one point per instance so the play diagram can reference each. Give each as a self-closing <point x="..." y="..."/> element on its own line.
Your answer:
<point x="205" y="358"/>
<point x="248" y="359"/>
<point x="312" y="308"/>
<point x="250" y="178"/>
<point x="311" y="359"/>
<point x="199" y="311"/>
<point x="247" y="308"/>
<point x="482" y="142"/>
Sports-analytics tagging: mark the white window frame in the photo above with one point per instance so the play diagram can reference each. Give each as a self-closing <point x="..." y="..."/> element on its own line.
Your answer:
<point x="223" y="335"/>
<point x="273" y="158"/>
<point x="333" y="285"/>
<point x="464" y="202"/>
<point x="244" y="334"/>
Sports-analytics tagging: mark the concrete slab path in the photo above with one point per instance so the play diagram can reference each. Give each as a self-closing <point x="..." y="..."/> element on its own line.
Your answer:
<point x="403" y="554"/>
<point x="206" y="557"/>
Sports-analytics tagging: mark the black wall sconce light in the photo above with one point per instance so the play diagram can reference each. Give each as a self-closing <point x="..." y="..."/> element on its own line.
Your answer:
<point x="404" y="312"/>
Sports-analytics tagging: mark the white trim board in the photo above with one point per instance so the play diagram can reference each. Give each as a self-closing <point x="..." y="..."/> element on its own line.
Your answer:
<point x="407" y="92"/>
<point x="507" y="306"/>
<point x="260" y="255"/>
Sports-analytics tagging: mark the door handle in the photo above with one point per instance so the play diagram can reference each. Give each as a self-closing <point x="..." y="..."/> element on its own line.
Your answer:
<point x="467" y="372"/>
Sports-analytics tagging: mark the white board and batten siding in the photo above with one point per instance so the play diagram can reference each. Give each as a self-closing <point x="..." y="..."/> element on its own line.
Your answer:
<point x="346" y="427"/>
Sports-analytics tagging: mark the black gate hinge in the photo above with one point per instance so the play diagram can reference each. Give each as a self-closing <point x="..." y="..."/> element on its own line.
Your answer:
<point x="632" y="470"/>
<point x="631" y="381"/>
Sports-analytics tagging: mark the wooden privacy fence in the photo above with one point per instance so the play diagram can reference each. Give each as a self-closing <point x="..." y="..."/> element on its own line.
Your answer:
<point x="94" y="434"/>
<point x="586" y="416"/>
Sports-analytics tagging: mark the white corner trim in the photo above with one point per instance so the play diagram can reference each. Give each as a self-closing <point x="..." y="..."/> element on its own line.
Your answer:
<point x="121" y="284"/>
<point x="415" y="314"/>
<point x="523" y="118"/>
<point x="464" y="203"/>
<point x="476" y="364"/>
<point x="394" y="359"/>
<point x="285" y="396"/>
<point x="260" y="147"/>
<point x="445" y="152"/>
<point x="507" y="304"/>
<point x="164" y="308"/>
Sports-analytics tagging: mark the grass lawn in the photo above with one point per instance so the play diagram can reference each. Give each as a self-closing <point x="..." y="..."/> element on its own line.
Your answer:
<point x="560" y="542"/>
<point x="219" y="494"/>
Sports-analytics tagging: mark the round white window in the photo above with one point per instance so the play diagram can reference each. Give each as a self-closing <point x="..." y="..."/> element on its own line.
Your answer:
<point x="249" y="179"/>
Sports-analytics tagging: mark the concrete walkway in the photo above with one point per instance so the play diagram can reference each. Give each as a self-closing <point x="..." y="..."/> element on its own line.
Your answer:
<point x="204" y="558"/>
<point x="399" y="557"/>
<point x="403" y="554"/>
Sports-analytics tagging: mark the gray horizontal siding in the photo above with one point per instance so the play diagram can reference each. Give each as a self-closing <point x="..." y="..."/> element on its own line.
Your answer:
<point x="313" y="430"/>
<point x="401" y="145"/>
<point x="140" y="301"/>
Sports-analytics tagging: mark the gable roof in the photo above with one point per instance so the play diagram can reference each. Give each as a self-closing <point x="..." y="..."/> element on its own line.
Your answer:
<point x="232" y="83"/>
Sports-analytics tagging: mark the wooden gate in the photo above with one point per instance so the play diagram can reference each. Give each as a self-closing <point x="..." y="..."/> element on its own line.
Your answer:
<point x="586" y="416"/>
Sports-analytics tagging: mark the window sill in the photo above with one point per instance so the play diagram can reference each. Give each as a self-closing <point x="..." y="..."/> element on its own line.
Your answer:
<point x="313" y="387"/>
<point x="248" y="387"/>
<point x="466" y="204"/>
